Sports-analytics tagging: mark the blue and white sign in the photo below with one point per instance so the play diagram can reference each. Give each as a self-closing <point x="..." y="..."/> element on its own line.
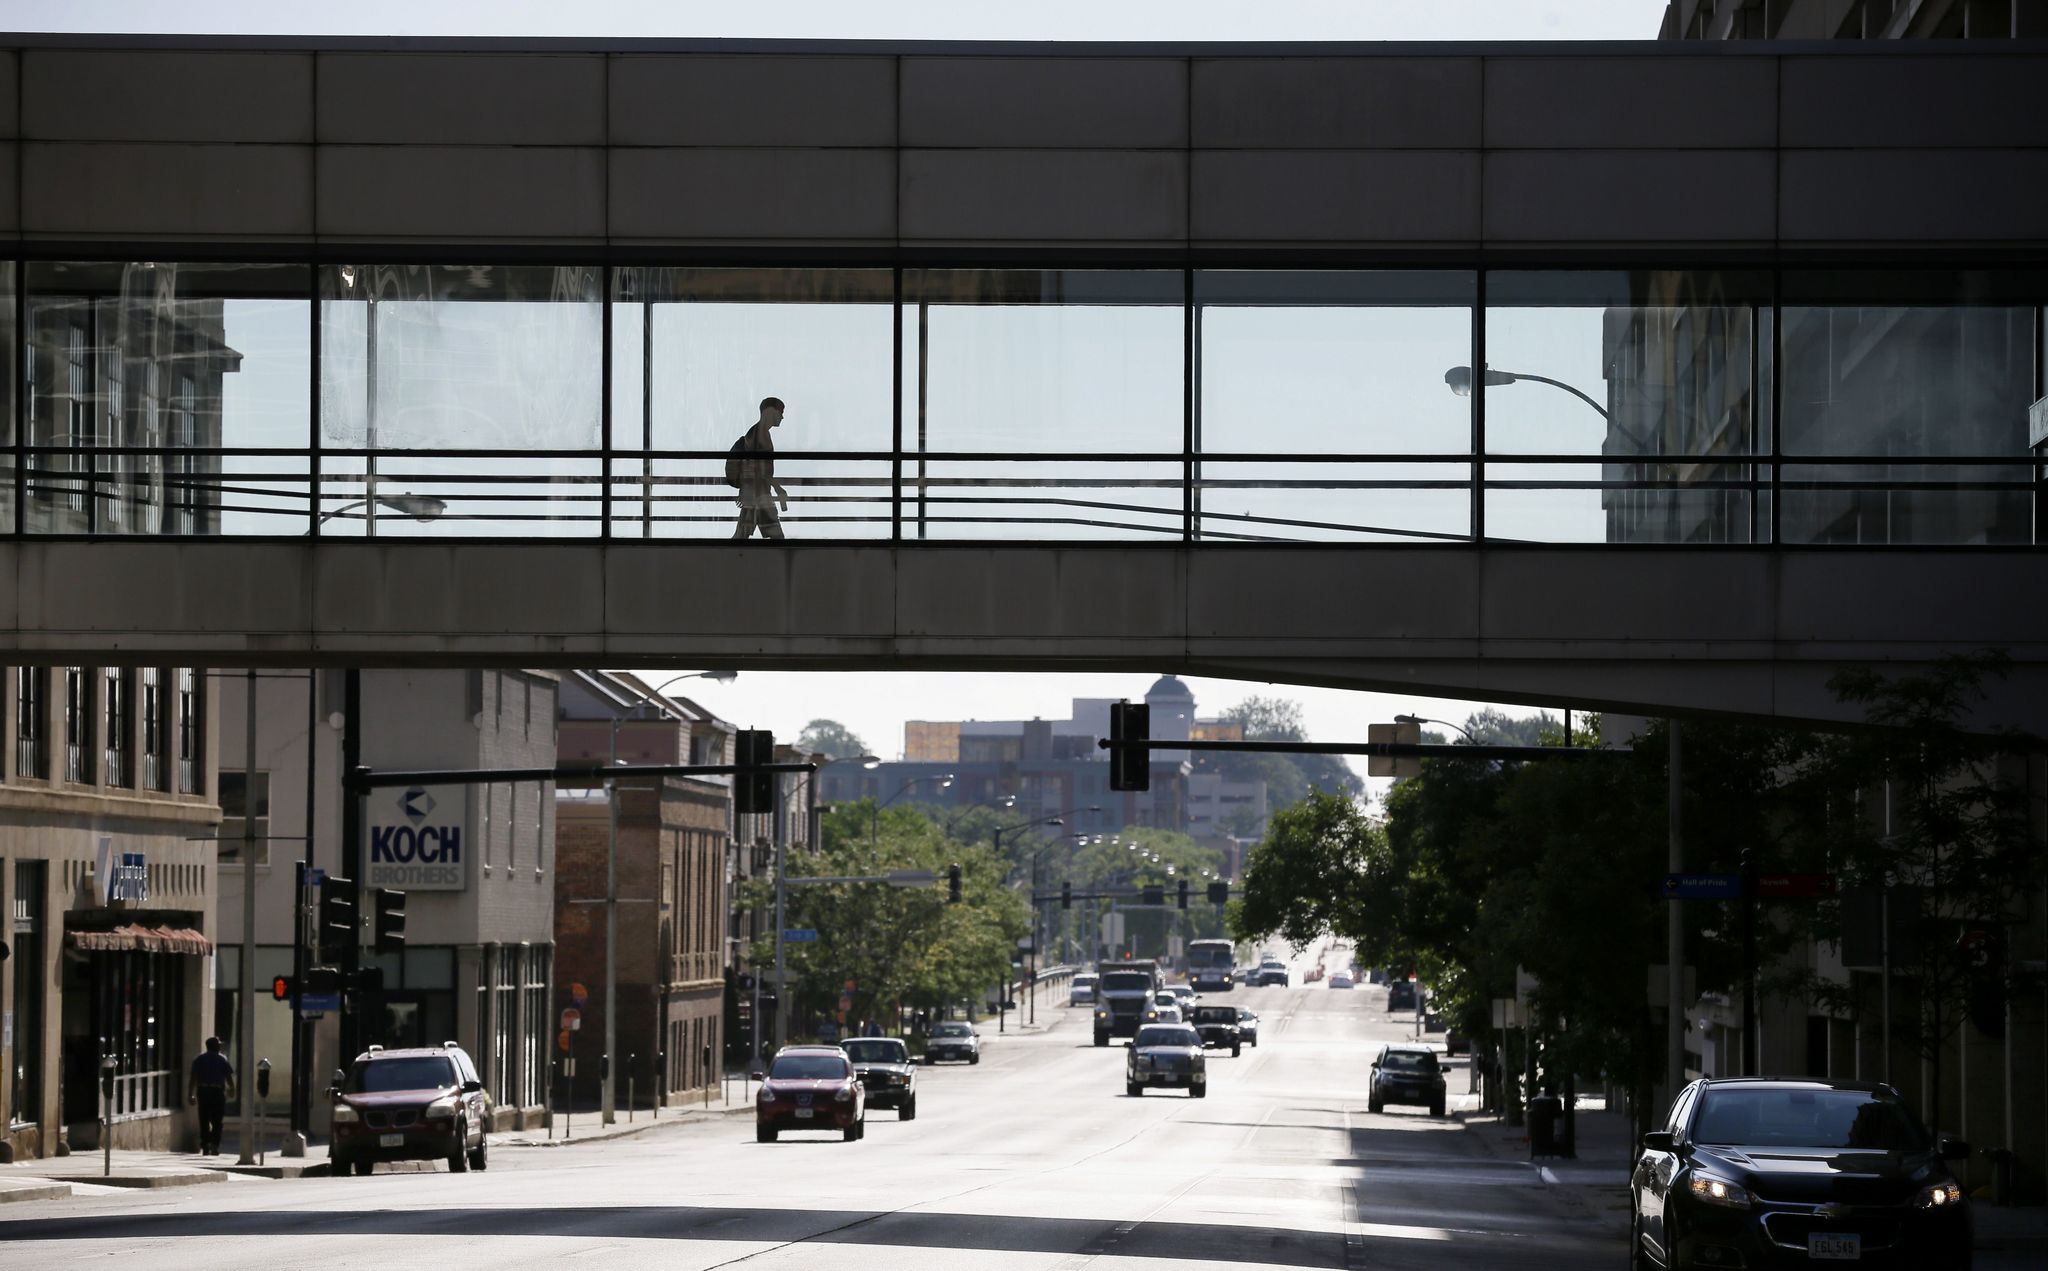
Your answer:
<point x="419" y="839"/>
<point x="123" y="876"/>
<point x="799" y="935"/>
<point x="1703" y="887"/>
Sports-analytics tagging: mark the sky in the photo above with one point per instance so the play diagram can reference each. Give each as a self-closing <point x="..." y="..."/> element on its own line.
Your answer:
<point x="875" y="19"/>
<point x="874" y="704"/>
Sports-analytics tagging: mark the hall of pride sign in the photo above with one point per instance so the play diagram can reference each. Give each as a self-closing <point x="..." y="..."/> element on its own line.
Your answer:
<point x="418" y="839"/>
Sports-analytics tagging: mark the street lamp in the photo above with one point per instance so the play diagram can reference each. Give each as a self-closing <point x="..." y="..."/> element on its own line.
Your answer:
<point x="1037" y="910"/>
<point x="423" y="508"/>
<point x="607" y="1104"/>
<point x="1422" y="719"/>
<point x="945" y="780"/>
<point x="1459" y="378"/>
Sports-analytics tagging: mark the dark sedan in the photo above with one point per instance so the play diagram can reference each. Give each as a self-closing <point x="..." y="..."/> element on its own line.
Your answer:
<point x="1761" y="1172"/>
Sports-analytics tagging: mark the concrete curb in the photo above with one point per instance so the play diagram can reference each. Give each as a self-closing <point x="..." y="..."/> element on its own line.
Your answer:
<point x="34" y="1191"/>
<point x="190" y="1178"/>
<point x="625" y="1130"/>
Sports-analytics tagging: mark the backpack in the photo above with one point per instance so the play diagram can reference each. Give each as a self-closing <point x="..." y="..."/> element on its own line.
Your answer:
<point x="735" y="465"/>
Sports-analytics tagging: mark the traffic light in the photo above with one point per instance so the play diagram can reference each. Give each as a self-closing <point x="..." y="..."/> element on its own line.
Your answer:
<point x="1154" y="894"/>
<point x="1182" y="898"/>
<point x="387" y="909"/>
<point x="952" y="884"/>
<point x="1066" y="895"/>
<point x="754" y="791"/>
<point x="281" y="988"/>
<point x="335" y="934"/>
<point x="1130" y="768"/>
<point x="1219" y="893"/>
<point x="322" y="981"/>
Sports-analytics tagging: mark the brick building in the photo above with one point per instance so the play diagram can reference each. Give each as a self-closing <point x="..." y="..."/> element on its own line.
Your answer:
<point x="673" y="845"/>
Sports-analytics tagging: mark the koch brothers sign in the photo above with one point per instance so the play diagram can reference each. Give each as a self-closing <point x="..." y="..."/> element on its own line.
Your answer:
<point x="419" y="838"/>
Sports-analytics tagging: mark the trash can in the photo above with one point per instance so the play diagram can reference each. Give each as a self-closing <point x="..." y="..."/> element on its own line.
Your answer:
<point x="1544" y="1110"/>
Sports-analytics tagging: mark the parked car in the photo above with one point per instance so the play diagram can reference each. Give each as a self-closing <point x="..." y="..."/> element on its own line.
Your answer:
<point x="1456" y="1043"/>
<point x="810" y="1088"/>
<point x="419" y="1104"/>
<point x="1401" y="995"/>
<point x="885" y="1071"/>
<point x="1217" y="1026"/>
<point x="1749" y="1171"/>
<point x="1166" y="1055"/>
<point x="1340" y="980"/>
<point x="1082" y="991"/>
<point x="1248" y="1026"/>
<point x="953" y="1040"/>
<point x="1406" y="1074"/>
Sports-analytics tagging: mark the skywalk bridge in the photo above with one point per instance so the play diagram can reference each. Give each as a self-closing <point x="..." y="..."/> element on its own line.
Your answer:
<point x="1640" y="376"/>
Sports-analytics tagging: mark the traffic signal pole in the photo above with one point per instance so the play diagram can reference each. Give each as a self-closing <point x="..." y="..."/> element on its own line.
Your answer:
<point x="351" y="854"/>
<point x="246" y="999"/>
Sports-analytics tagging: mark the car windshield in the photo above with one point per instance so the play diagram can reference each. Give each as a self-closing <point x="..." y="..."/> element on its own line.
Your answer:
<point x="1409" y="1061"/>
<point x="807" y="1068"/>
<point x="1245" y="1013"/>
<point x="1272" y="966"/>
<point x="1148" y="1037"/>
<point x="875" y="1052"/>
<point x="1215" y="1015"/>
<point x="1126" y="982"/>
<point x="1166" y="997"/>
<point x="952" y="1030"/>
<point x="425" y="1072"/>
<point x="1807" y="1117"/>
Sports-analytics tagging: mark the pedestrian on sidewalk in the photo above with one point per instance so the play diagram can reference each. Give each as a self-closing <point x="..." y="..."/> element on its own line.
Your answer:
<point x="211" y="1082"/>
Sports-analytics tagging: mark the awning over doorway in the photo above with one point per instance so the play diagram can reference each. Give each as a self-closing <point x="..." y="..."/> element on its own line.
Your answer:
<point x="136" y="938"/>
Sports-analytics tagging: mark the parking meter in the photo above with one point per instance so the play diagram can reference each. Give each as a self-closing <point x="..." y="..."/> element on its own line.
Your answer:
<point x="263" y="1078"/>
<point x="108" y="1066"/>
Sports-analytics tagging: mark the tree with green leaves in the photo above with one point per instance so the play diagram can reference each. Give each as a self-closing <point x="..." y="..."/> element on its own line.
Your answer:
<point x="830" y="737"/>
<point x="1288" y="778"/>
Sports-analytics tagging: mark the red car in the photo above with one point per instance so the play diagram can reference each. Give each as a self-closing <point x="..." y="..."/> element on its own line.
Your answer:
<point x="810" y="1088"/>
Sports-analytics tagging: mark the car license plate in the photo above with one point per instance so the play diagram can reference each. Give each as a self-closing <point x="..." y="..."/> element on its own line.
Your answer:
<point x="804" y="1114"/>
<point x="391" y="1140"/>
<point x="1833" y="1247"/>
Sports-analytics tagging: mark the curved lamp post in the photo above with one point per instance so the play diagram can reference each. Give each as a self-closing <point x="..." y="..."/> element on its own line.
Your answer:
<point x="1424" y="719"/>
<point x="420" y="507"/>
<point x="1459" y="378"/>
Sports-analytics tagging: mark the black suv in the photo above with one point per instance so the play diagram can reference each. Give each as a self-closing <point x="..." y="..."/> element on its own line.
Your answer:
<point x="1407" y="1074"/>
<point x="1218" y="1026"/>
<point x="422" y="1104"/>
<point x="884" y="1068"/>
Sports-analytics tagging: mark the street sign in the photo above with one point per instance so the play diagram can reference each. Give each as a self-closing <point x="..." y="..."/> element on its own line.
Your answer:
<point x="310" y="1003"/>
<point x="1702" y="886"/>
<point x="1794" y="886"/>
<point x="799" y="935"/>
<point x="579" y="997"/>
<point x="910" y="877"/>
<point x="572" y="1020"/>
<point x="315" y="877"/>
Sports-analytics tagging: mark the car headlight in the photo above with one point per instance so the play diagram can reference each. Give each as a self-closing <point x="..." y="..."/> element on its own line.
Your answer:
<point x="1708" y="1189"/>
<point x="1102" y="1012"/>
<point x="845" y="1092"/>
<point x="442" y="1107"/>
<point x="1938" y="1196"/>
<point x="344" y="1114"/>
<point x="1152" y="1015"/>
<point x="1141" y="1061"/>
<point x="766" y="1095"/>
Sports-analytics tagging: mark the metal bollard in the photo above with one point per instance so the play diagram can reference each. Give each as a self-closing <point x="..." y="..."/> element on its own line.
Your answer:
<point x="631" y="1059"/>
<point x="707" y="1076"/>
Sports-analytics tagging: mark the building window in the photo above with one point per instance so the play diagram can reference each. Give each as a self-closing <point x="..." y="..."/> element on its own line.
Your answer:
<point x="233" y="807"/>
<point x="532" y="1025"/>
<point x="78" y="722"/>
<point x="116" y="692"/>
<point x="29" y="732"/>
<point x="188" y="731"/>
<point x="155" y="741"/>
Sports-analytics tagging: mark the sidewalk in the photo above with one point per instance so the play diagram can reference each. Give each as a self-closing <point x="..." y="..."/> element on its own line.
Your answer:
<point x="80" y="1174"/>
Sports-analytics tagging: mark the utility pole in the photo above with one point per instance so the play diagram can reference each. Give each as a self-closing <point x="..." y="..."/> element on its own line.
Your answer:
<point x="246" y="1005"/>
<point x="607" y="1101"/>
<point x="351" y="856"/>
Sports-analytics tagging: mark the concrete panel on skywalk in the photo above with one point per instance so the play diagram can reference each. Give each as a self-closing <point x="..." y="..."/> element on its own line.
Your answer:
<point x="1914" y="196"/>
<point x="1357" y="601"/>
<point x="1631" y="196"/>
<point x="1377" y="196"/>
<point x="80" y="190"/>
<point x="1044" y="102"/>
<point x="462" y="99"/>
<point x="1636" y="100"/>
<point x="1981" y="99"/>
<point x="1337" y="103"/>
<point x="462" y="194"/>
<point x="1044" y="196"/>
<point x="751" y="594"/>
<point x="692" y="195"/>
<point x="1094" y="597"/>
<point x="165" y="95"/>
<point x="10" y="93"/>
<point x="752" y="100"/>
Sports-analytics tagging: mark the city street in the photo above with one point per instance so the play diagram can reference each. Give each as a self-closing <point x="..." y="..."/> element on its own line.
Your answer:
<point x="1033" y="1159"/>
